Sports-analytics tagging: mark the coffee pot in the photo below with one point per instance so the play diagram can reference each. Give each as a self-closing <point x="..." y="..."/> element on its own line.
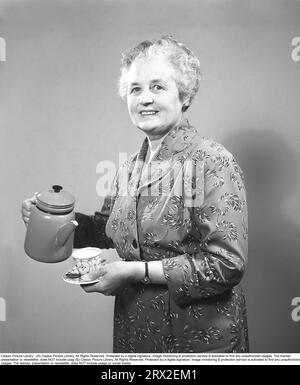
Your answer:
<point x="50" y="231"/>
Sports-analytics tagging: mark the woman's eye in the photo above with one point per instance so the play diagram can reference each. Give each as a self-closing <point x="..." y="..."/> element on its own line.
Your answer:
<point x="134" y="90"/>
<point x="157" y="87"/>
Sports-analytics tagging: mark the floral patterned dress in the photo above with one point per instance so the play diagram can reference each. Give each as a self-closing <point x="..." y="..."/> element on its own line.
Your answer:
<point x="187" y="209"/>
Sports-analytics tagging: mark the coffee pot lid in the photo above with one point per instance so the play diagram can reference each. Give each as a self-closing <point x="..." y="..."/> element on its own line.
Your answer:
<point x="55" y="200"/>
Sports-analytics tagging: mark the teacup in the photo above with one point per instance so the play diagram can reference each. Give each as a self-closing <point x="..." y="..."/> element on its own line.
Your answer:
<point x="87" y="260"/>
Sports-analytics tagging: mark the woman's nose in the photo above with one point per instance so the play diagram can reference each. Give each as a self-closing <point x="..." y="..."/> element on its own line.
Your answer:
<point x="146" y="97"/>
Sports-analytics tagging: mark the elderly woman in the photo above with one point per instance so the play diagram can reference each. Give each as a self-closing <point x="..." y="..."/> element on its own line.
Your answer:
<point x="176" y="217"/>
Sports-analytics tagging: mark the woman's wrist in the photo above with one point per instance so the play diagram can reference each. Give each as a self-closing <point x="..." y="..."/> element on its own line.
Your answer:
<point x="135" y="270"/>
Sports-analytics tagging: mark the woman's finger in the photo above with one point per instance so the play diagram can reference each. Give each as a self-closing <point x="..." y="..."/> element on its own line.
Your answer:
<point x="24" y="212"/>
<point x="93" y="287"/>
<point x="33" y="199"/>
<point x="27" y="205"/>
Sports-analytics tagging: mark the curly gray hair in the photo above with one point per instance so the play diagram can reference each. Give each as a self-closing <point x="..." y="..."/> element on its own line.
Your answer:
<point x="182" y="59"/>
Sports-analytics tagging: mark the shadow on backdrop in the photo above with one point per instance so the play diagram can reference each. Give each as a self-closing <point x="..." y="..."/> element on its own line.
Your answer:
<point x="272" y="278"/>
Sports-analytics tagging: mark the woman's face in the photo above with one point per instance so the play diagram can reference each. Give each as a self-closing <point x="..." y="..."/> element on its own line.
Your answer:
<point x="153" y="97"/>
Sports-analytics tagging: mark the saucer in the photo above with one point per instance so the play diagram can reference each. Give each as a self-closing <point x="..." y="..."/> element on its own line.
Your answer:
<point x="77" y="280"/>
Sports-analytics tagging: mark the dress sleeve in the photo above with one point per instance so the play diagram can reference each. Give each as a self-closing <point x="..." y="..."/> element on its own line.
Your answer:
<point x="219" y="229"/>
<point x="91" y="228"/>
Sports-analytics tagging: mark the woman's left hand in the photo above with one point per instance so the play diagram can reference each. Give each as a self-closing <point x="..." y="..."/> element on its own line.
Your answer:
<point x="113" y="276"/>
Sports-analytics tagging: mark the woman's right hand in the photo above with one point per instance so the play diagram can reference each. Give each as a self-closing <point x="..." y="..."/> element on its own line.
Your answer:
<point x="27" y="205"/>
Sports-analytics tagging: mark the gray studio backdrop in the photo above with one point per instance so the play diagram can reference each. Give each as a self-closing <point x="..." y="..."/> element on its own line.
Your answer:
<point x="60" y="116"/>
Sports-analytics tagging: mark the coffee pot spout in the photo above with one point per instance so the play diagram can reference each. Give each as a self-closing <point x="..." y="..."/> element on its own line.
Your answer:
<point x="65" y="232"/>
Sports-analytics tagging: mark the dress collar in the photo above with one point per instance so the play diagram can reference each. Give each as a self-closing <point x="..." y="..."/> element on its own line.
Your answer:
<point x="176" y="140"/>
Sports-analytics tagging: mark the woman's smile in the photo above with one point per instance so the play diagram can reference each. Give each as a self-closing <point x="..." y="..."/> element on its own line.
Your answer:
<point x="148" y="113"/>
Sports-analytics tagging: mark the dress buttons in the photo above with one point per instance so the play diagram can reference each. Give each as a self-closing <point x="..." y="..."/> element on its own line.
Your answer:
<point x="134" y="243"/>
